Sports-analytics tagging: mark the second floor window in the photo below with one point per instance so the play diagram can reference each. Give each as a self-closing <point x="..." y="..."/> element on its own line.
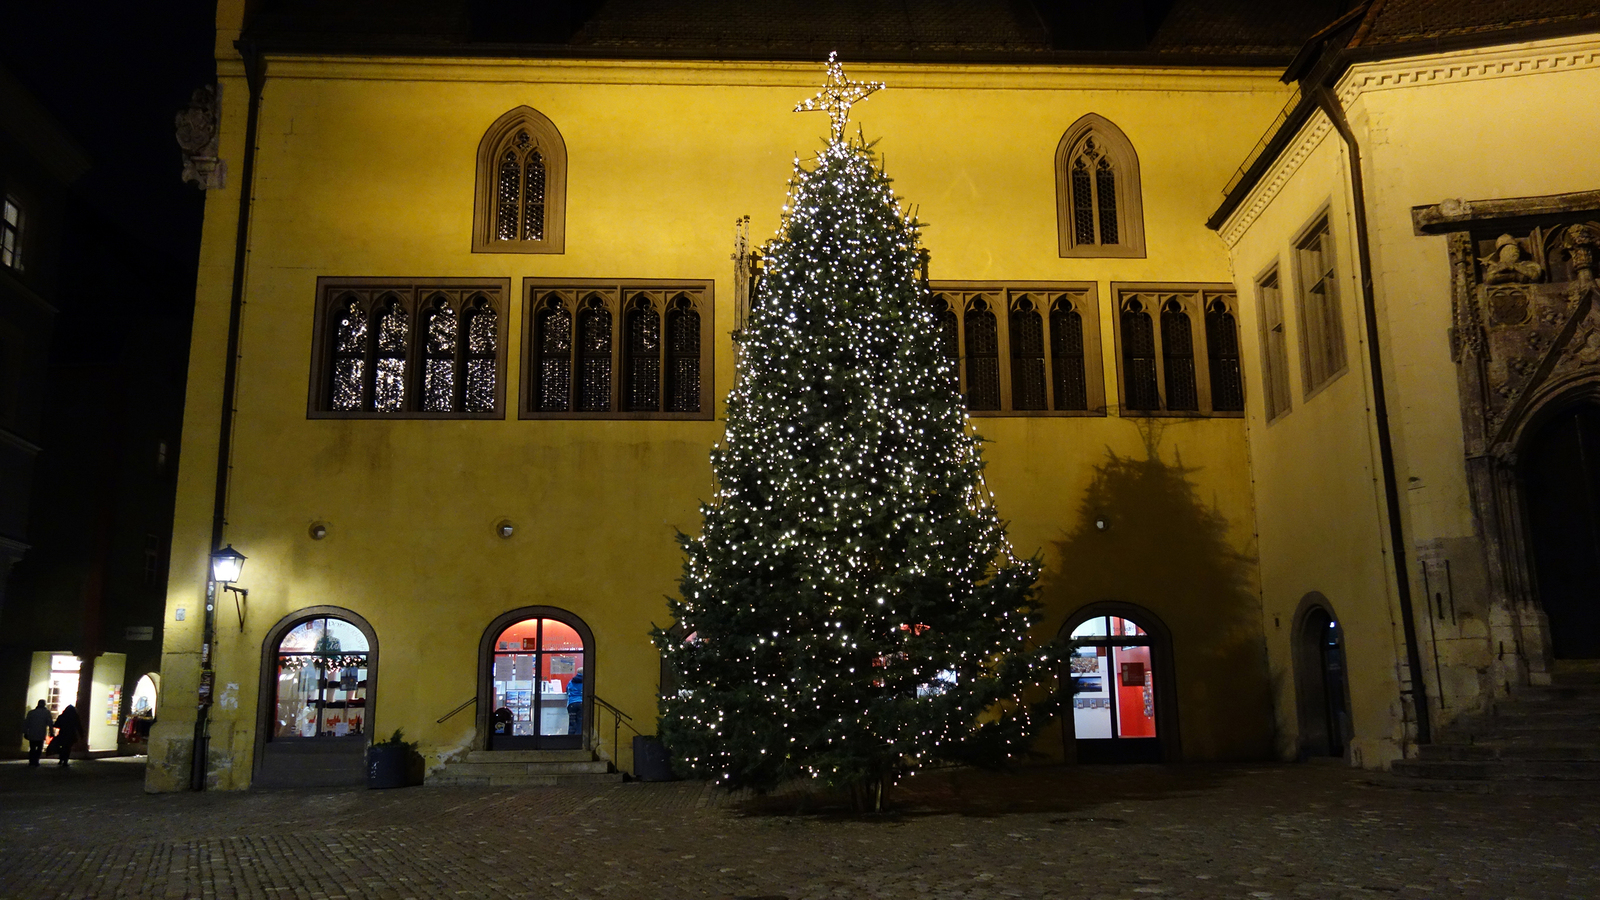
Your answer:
<point x="1022" y="349"/>
<point x="409" y="349"/>
<point x="1322" y="356"/>
<point x="629" y="350"/>
<point x="1178" y="351"/>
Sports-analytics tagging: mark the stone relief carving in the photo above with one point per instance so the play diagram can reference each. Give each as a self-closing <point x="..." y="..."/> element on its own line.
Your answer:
<point x="197" y="127"/>
<point x="1524" y="302"/>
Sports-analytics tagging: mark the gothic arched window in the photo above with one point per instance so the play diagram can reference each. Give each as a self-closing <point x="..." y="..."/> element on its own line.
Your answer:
<point x="683" y="356"/>
<point x="1163" y="334"/>
<point x="983" y="357"/>
<point x="522" y="186"/>
<point x="1222" y="351"/>
<point x="1041" y="358"/>
<point x="1027" y="356"/>
<point x="396" y="348"/>
<point x="1100" y="211"/>
<point x="633" y="350"/>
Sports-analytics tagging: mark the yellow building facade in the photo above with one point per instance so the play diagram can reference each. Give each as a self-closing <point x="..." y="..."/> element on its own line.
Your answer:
<point x="1221" y="537"/>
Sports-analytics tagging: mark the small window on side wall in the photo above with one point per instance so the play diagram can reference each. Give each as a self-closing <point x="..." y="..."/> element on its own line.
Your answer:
<point x="1099" y="207"/>
<point x="1322" y="355"/>
<point x="402" y="348"/>
<point x="11" y="222"/>
<point x="1274" y="345"/>
<point x="521" y="198"/>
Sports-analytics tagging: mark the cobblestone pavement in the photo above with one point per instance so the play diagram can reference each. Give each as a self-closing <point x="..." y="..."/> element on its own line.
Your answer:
<point x="1304" y="831"/>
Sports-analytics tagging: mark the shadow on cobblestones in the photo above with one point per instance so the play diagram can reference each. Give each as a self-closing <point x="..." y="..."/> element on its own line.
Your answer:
<point x="985" y="794"/>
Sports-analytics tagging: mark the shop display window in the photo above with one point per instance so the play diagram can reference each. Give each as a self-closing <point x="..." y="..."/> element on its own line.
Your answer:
<point x="322" y="681"/>
<point x="1114" y="686"/>
<point x="536" y="680"/>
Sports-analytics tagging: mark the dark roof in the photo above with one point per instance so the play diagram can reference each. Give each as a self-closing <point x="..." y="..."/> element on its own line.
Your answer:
<point x="1174" y="32"/>
<point x="1411" y="21"/>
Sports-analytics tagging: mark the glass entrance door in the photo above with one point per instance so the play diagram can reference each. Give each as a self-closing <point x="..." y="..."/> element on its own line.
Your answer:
<point x="1114" y="699"/>
<point x="536" y="686"/>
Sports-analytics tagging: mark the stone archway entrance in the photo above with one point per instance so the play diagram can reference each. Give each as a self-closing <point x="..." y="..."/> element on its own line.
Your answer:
<point x="1559" y="467"/>
<point x="1321" y="686"/>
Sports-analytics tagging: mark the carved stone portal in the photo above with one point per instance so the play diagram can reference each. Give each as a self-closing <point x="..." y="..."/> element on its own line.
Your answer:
<point x="1525" y="337"/>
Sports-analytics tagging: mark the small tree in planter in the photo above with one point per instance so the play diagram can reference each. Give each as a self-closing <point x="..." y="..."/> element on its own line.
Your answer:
<point x="394" y="762"/>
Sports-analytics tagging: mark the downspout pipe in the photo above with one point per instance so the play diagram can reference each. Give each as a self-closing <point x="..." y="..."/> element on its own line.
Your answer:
<point x="253" y="72"/>
<point x="1380" y="411"/>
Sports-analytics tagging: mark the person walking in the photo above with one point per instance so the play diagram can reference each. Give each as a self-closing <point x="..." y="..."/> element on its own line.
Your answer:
<point x="68" y="728"/>
<point x="36" y="728"/>
<point x="575" y="704"/>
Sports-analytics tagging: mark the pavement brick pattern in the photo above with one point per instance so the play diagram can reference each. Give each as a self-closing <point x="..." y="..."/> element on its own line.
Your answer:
<point x="1084" y="833"/>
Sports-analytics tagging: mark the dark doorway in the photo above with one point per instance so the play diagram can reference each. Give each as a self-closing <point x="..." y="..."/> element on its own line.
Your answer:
<point x="1560" y="468"/>
<point x="1321" y="685"/>
<point x="537" y="684"/>
<point x="1113" y="672"/>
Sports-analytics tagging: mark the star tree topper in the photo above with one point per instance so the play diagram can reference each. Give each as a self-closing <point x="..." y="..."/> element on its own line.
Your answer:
<point x="837" y="95"/>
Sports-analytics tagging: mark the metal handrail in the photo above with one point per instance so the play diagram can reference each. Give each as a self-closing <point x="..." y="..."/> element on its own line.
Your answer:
<point x="617" y="721"/>
<point x="470" y="700"/>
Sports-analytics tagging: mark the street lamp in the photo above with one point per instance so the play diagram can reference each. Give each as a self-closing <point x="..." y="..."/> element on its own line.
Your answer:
<point x="226" y="564"/>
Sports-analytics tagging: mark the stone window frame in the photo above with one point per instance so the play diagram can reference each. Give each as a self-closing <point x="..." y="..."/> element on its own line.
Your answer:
<point x="553" y="151"/>
<point x="1003" y="296"/>
<point x="1194" y="298"/>
<point x="13" y="229"/>
<point x="1116" y="147"/>
<point x="617" y="294"/>
<point x="1324" y="352"/>
<point x="412" y="294"/>
<point x="1273" y="331"/>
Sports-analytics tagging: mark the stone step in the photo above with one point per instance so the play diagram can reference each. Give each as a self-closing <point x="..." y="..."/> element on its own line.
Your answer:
<point x="529" y="756"/>
<point x="1499" y="769"/>
<point x="446" y="778"/>
<point x="474" y="769"/>
<point x="1523" y="734"/>
<point x="1504" y="750"/>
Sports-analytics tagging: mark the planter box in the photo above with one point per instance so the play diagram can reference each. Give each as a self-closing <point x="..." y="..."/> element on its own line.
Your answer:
<point x="391" y="767"/>
<point x="651" y="761"/>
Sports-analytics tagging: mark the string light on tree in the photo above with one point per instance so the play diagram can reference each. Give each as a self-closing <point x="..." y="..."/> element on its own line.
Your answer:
<point x="851" y="609"/>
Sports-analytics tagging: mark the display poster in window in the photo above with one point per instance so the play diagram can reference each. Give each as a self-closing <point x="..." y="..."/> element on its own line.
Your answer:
<point x="563" y="665"/>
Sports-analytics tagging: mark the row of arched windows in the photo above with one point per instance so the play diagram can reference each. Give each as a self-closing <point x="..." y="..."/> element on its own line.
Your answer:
<point x="391" y="348"/>
<point x="582" y="365"/>
<point x="1170" y="366"/>
<point x="522" y="167"/>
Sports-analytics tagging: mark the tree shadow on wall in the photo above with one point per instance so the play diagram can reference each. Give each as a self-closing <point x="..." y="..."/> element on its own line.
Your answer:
<point x="1144" y="536"/>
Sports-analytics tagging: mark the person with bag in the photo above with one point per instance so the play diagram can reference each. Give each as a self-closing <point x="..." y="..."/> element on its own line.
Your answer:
<point x="68" y="729"/>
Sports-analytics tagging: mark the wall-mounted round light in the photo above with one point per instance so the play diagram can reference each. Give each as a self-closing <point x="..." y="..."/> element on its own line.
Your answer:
<point x="504" y="528"/>
<point x="318" y="531"/>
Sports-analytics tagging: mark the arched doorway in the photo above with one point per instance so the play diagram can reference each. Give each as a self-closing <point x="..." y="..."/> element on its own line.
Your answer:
<point x="1120" y="667"/>
<point x="318" y="692"/>
<point x="1559" y="465"/>
<point x="537" y="681"/>
<point x="1321" y="685"/>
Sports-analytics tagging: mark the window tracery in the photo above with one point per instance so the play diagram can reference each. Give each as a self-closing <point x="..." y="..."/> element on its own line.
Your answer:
<point x="1099" y="205"/>
<point x="395" y="348"/>
<point x="1160" y="348"/>
<point x="521" y="192"/>
<point x="601" y="349"/>
<point x="1040" y="358"/>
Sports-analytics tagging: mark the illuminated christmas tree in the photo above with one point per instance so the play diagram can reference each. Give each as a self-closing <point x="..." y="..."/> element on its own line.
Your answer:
<point x="851" y="609"/>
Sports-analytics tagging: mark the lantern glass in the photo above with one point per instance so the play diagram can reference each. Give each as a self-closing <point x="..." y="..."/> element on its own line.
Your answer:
<point x="226" y="564"/>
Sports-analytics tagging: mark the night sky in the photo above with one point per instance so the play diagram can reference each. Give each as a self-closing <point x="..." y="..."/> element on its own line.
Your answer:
<point x="115" y="75"/>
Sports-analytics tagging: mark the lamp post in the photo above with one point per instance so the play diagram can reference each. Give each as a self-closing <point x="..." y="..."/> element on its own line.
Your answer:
<point x="226" y="565"/>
